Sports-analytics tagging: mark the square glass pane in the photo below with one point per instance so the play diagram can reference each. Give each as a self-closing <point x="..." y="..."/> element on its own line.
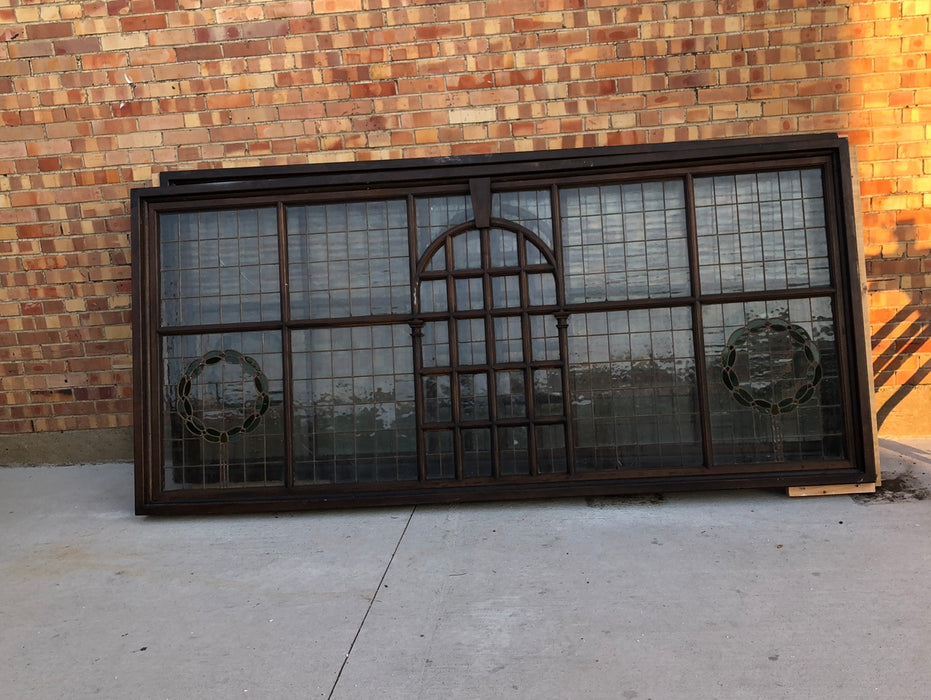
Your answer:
<point x="544" y="338"/>
<point x="502" y="248"/>
<point x="467" y="251"/>
<point x="625" y="241"/>
<point x="541" y="290"/>
<point x="469" y="294"/>
<point x="348" y="259"/>
<point x="219" y="267"/>
<point x="433" y="296"/>
<point x="505" y="291"/>
<point x="547" y="392"/>
<point x="761" y="231"/>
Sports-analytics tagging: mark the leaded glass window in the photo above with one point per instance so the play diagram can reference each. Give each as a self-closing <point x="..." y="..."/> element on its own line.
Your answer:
<point x="580" y="322"/>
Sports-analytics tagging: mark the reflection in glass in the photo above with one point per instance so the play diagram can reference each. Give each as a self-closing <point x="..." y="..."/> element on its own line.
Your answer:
<point x="440" y="454"/>
<point x="467" y="251"/>
<point x="219" y="267"/>
<point x="508" y="339"/>
<point x="625" y="241"/>
<point x="551" y="449"/>
<point x="354" y="418"/>
<point x="473" y="396"/>
<point x="437" y="399"/>
<point x="771" y="367"/>
<point x="511" y="394"/>
<point x="531" y="209"/>
<point x="435" y="215"/>
<point x="634" y="392"/>
<point x="761" y="231"/>
<point x="471" y="341"/>
<point x="348" y="259"/>
<point x="476" y="452"/>
<point x="513" y="451"/>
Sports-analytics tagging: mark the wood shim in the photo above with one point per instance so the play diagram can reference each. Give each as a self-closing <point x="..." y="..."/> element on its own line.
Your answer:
<point x="830" y="490"/>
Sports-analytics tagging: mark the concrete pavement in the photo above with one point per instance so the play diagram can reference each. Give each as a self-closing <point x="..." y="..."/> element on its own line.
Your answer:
<point x="737" y="594"/>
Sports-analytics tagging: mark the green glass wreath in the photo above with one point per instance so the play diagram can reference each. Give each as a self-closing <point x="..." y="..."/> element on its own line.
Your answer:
<point x="799" y="338"/>
<point x="260" y="406"/>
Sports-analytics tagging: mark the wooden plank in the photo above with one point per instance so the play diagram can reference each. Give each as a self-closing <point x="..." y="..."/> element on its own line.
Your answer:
<point x="830" y="490"/>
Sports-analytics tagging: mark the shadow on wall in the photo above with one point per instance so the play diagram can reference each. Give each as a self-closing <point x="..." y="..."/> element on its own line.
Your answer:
<point x="908" y="334"/>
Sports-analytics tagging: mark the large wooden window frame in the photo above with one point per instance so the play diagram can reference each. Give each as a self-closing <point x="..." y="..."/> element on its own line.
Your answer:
<point x="520" y="403"/>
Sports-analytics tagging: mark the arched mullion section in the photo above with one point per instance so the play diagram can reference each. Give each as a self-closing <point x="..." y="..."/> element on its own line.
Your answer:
<point x="499" y="282"/>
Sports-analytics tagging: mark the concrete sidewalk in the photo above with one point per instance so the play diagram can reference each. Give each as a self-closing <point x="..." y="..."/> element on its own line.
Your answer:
<point x="739" y="594"/>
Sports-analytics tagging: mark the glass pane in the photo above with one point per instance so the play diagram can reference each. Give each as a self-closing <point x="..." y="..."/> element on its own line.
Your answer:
<point x="435" y="344"/>
<point x="348" y="259"/>
<point x="508" y="339"/>
<point x="634" y="393"/>
<point x="511" y="394"/>
<point x="476" y="453"/>
<point x="541" y="290"/>
<point x="433" y="296"/>
<point x="440" y="454"/>
<point x="354" y="418"/>
<point x="625" y="241"/>
<point x="531" y="209"/>
<point x="503" y="248"/>
<point x="467" y="251"/>
<point x="534" y="255"/>
<point x="437" y="261"/>
<point x="222" y="410"/>
<point x="547" y="392"/>
<point x="505" y="291"/>
<point x="544" y="338"/>
<point x="513" y="451"/>
<point x="551" y="449"/>
<point x="470" y="294"/>
<point x="471" y="341"/>
<point x="436" y="215"/>
<point x="761" y="231"/>
<point x="473" y="396"/>
<point x="773" y="381"/>
<point x="437" y="399"/>
<point x="219" y="267"/>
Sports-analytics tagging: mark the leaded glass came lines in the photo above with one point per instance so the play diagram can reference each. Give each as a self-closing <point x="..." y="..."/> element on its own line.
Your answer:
<point x="571" y="326"/>
<point x="348" y="259"/>
<point x="625" y="242"/>
<point x="761" y="231"/>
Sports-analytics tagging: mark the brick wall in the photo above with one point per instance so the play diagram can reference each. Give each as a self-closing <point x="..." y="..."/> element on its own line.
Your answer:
<point x="99" y="96"/>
